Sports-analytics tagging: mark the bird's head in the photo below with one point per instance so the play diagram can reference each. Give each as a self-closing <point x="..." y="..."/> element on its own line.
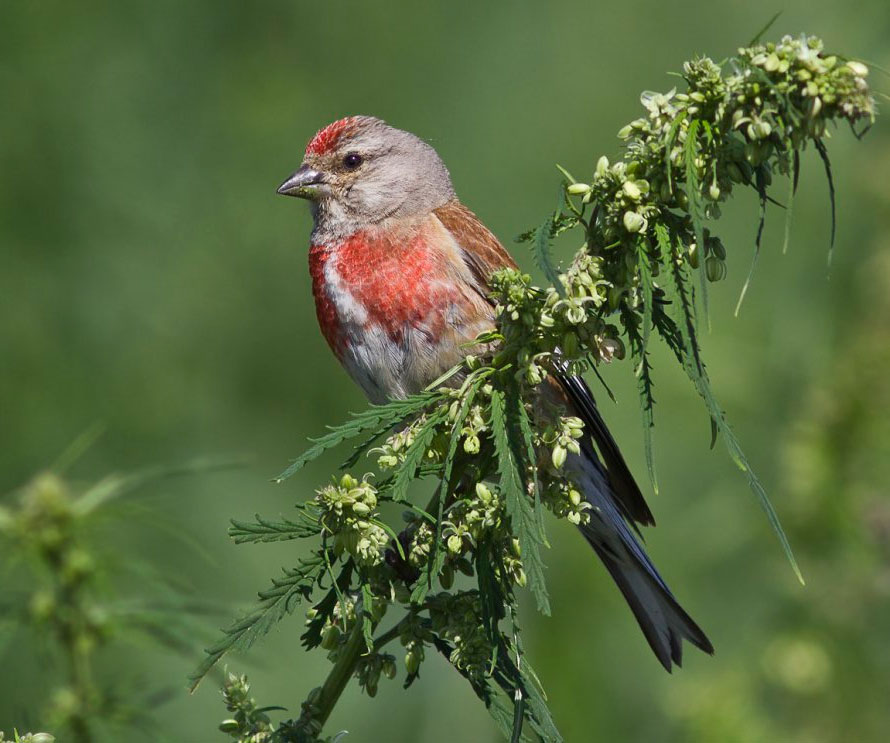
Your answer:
<point x="360" y="171"/>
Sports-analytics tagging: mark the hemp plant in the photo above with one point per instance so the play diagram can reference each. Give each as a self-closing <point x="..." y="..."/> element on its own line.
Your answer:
<point x="490" y="437"/>
<point x="57" y="594"/>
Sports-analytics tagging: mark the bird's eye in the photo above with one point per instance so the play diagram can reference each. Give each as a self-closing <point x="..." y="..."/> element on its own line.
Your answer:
<point x="352" y="160"/>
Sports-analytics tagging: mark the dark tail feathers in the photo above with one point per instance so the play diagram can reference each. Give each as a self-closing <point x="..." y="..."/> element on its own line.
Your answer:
<point x="663" y="621"/>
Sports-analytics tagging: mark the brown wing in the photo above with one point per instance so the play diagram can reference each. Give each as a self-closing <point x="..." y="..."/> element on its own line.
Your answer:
<point x="487" y="254"/>
<point x="484" y="254"/>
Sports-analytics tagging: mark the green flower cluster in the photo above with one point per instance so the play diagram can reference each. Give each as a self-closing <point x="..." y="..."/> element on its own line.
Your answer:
<point x="681" y="160"/>
<point x="481" y="516"/>
<point x="457" y="619"/>
<point x="248" y="724"/>
<point x="348" y="513"/>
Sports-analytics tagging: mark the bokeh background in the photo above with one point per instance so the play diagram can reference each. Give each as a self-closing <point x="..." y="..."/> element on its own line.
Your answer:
<point x="152" y="281"/>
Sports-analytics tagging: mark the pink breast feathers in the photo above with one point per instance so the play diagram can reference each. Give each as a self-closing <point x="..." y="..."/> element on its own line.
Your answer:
<point x="391" y="284"/>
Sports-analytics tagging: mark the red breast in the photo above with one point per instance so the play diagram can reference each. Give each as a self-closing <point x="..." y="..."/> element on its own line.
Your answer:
<point x="393" y="278"/>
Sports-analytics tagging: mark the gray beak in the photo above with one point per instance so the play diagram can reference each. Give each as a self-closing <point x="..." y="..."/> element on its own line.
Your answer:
<point x="303" y="184"/>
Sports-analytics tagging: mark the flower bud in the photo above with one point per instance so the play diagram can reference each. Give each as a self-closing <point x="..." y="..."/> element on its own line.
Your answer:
<point x="611" y="348"/>
<point x="330" y="637"/>
<point x="735" y="173"/>
<point x="858" y="68"/>
<point x="389" y="669"/>
<point x="715" y="247"/>
<point x="455" y="544"/>
<point x="575" y="497"/>
<point x="483" y="492"/>
<point x="559" y="456"/>
<point x="412" y="661"/>
<point x="602" y="166"/>
<point x="360" y="509"/>
<point x="471" y="444"/>
<point x="714" y="191"/>
<point x="516" y="547"/>
<point x="634" y="222"/>
<point x="692" y="252"/>
<point x="632" y="190"/>
<point x="227" y="726"/>
<point x="762" y="129"/>
<point x="715" y="268"/>
<point x="578" y="188"/>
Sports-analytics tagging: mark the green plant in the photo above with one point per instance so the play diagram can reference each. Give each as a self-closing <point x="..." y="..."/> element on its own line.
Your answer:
<point x="28" y="738"/>
<point x="494" y="443"/>
<point x="59" y="591"/>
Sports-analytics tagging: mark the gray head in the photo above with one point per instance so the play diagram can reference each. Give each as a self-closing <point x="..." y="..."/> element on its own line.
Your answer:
<point x="360" y="171"/>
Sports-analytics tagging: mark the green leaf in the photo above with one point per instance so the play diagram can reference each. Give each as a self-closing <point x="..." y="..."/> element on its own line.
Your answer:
<point x="414" y="456"/>
<point x="377" y="419"/>
<point x="640" y="358"/>
<point x="311" y="638"/>
<point x="367" y="622"/>
<point x="513" y="466"/>
<point x="769" y="24"/>
<point x="541" y="251"/>
<point x="696" y="372"/>
<point x="643" y="368"/>
<point x="263" y="530"/>
<point x="436" y="558"/>
<point x="274" y="603"/>
<point x="519" y="423"/>
<point x="520" y="677"/>
<point x="669" y="145"/>
<point x="792" y="190"/>
<point x="491" y="597"/>
<point x="496" y="702"/>
<point x="693" y="193"/>
<point x="761" y="190"/>
<point x="823" y="153"/>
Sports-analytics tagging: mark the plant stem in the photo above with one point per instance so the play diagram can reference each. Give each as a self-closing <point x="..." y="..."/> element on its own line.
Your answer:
<point x="340" y="674"/>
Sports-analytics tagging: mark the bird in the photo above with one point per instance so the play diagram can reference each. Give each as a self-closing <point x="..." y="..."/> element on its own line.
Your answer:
<point x="400" y="274"/>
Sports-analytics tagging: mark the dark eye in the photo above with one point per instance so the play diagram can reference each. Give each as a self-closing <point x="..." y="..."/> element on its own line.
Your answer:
<point x="352" y="160"/>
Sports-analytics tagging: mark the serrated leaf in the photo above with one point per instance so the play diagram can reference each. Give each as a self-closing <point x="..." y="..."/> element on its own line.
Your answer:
<point x="311" y="638"/>
<point x="414" y="456"/>
<point x="263" y="530"/>
<point x="696" y="372"/>
<point x="541" y="252"/>
<point x="512" y="466"/>
<point x="693" y="193"/>
<point x="367" y="623"/>
<point x="377" y="419"/>
<point x="274" y="603"/>
<point x="436" y="557"/>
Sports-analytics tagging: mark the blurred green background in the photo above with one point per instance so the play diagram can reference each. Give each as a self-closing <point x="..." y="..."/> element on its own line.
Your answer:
<point x="151" y="280"/>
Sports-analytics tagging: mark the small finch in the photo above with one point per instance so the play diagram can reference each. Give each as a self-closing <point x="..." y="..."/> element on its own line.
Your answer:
<point x="400" y="273"/>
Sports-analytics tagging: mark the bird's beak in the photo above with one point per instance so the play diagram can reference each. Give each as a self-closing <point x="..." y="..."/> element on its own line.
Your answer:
<point x="306" y="183"/>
